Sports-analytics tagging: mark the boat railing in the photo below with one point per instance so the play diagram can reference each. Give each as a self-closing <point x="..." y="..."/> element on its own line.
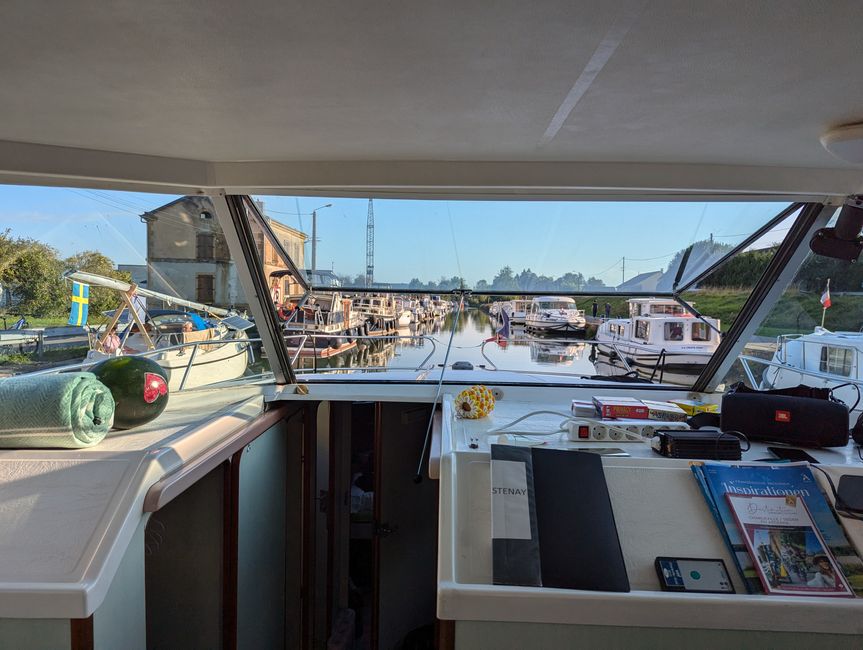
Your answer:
<point x="781" y="345"/>
<point x="182" y="347"/>
<point x="781" y="361"/>
<point x="422" y="365"/>
<point x="762" y="384"/>
<point x="492" y="366"/>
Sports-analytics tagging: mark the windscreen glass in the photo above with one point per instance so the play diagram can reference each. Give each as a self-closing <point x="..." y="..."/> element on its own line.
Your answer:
<point x="813" y="335"/>
<point x="88" y="276"/>
<point x="560" y="289"/>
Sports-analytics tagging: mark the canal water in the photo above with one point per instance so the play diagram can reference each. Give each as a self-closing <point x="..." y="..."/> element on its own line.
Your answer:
<point x="425" y="345"/>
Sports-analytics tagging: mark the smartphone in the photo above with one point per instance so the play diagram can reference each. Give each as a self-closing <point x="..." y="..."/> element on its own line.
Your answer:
<point x="702" y="576"/>
<point x="792" y="454"/>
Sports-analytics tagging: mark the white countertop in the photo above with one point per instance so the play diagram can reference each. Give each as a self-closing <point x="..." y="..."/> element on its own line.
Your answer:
<point x="67" y="516"/>
<point x="659" y="510"/>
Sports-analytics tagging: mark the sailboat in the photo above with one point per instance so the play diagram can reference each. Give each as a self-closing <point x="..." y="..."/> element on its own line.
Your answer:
<point x="207" y="351"/>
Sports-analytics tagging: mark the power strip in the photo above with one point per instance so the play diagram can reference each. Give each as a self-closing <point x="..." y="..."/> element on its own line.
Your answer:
<point x="588" y="429"/>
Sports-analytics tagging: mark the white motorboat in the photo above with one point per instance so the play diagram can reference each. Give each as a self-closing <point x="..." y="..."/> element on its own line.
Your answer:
<point x="659" y="333"/>
<point x="193" y="351"/>
<point x="406" y="312"/>
<point x="554" y="315"/>
<point x="822" y="359"/>
<point x="518" y="310"/>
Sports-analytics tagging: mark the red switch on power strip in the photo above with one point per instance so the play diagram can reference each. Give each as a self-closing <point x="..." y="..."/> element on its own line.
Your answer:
<point x="583" y="431"/>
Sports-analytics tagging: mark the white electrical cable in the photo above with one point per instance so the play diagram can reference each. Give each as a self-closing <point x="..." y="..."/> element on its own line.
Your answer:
<point x="562" y="428"/>
<point x="500" y="429"/>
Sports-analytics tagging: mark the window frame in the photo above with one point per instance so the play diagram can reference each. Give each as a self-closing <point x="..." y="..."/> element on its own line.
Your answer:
<point x="828" y="365"/>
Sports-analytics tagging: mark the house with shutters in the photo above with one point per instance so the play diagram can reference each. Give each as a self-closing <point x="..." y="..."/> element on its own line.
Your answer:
<point x="188" y="256"/>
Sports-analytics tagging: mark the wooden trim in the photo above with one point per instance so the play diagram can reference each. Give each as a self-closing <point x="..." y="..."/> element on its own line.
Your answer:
<point x="444" y="635"/>
<point x="81" y="633"/>
<point x="171" y="486"/>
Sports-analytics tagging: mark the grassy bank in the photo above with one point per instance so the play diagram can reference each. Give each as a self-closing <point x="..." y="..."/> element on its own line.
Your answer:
<point x="16" y="362"/>
<point x="50" y="321"/>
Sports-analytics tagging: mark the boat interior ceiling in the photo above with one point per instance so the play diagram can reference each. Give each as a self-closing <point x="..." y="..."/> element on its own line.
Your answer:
<point x="572" y="96"/>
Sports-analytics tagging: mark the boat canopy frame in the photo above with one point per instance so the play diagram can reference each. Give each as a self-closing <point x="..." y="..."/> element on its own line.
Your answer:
<point x="235" y="211"/>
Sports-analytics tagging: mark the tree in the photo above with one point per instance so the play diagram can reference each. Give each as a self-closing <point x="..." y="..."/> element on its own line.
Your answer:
<point x="101" y="299"/>
<point x="570" y="282"/>
<point x="504" y="280"/>
<point x="594" y="283"/>
<point x="32" y="271"/>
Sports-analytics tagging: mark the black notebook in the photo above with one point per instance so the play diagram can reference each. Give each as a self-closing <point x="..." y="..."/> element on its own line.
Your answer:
<point x="573" y="542"/>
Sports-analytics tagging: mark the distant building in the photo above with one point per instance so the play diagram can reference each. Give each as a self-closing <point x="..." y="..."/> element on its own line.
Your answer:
<point x="138" y="272"/>
<point x="188" y="256"/>
<point x="646" y="282"/>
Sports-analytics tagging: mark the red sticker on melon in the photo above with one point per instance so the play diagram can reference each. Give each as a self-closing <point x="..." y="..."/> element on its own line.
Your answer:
<point x="154" y="386"/>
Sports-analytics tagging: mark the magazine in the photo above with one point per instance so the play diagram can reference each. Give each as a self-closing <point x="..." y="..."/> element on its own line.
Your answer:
<point x="790" y="556"/>
<point x="717" y="479"/>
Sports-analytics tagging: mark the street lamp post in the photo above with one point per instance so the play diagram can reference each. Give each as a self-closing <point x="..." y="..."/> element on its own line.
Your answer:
<point x="315" y="237"/>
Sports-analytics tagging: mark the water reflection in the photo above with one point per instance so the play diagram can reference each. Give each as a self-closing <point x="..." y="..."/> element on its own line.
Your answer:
<point x="423" y="346"/>
<point x="411" y="350"/>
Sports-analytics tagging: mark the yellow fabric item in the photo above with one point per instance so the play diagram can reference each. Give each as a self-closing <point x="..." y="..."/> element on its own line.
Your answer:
<point x="198" y="336"/>
<point x="474" y="402"/>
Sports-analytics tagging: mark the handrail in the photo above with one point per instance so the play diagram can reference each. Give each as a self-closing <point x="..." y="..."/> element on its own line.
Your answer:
<point x="384" y="337"/>
<point x="569" y="341"/>
<point x="746" y="358"/>
<point x="150" y="353"/>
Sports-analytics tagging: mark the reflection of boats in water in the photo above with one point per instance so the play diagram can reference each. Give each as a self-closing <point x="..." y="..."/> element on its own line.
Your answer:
<point x="822" y="359"/>
<point x="363" y="353"/>
<point x="193" y="350"/>
<point x="555" y="352"/>
<point x="659" y="336"/>
<point x="556" y="315"/>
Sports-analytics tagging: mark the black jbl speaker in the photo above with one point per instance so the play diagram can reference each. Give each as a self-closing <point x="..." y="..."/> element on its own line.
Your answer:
<point x="802" y="416"/>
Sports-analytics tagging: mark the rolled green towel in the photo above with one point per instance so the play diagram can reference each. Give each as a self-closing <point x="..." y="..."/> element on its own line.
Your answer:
<point x="70" y="410"/>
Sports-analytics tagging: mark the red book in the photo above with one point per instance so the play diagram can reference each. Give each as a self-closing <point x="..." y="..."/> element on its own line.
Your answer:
<point x="621" y="407"/>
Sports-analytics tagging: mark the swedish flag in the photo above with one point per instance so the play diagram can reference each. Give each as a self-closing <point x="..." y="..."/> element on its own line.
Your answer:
<point x="80" y="303"/>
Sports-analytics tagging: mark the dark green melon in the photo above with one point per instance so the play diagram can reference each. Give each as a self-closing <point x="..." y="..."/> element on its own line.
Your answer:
<point x="139" y="386"/>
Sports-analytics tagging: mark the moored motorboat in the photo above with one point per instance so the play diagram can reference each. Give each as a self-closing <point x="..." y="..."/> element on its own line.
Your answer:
<point x="821" y="358"/>
<point x="659" y="334"/>
<point x="379" y="311"/>
<point x="554" y="315"/>
<point x="329" y="319"/>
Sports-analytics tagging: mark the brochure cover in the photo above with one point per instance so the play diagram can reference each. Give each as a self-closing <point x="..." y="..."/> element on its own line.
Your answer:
<point x="790" y="555"/>
<point x="718" y="479"/>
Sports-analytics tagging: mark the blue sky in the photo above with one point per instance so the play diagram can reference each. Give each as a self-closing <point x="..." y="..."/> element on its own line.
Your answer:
<point x="425" y="239"/>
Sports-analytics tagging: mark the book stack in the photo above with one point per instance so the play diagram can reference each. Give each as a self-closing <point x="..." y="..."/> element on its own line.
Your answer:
<point x="780" y="529"/>
<point x="629" y="408"/>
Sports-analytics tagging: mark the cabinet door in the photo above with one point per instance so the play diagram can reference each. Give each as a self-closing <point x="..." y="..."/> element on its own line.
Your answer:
<point x="405" y="538"/>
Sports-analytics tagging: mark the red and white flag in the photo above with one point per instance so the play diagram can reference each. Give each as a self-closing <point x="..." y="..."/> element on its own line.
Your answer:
<point x="825" y="297"/>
